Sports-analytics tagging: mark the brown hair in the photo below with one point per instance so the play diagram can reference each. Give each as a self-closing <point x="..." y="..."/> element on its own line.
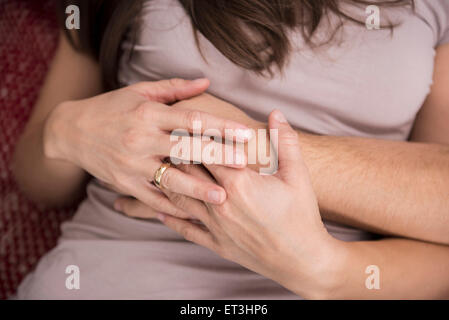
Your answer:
<point x="253" y="34"/>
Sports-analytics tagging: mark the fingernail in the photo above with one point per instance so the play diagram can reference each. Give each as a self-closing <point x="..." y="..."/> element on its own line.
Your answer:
<point x="244" y="134"/>
<point x="161" y="217"/>
<point x="215" y="196"/>
<point x="279" y="116"/>
<point x="117" y="206"/>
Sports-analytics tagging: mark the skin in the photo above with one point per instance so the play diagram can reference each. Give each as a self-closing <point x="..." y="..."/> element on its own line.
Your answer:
<point x="51" y="172"/>
<point x="123" y="148"/>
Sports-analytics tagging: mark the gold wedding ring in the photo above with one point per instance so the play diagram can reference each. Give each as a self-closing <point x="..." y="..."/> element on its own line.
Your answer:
<point x="159" y="173"/>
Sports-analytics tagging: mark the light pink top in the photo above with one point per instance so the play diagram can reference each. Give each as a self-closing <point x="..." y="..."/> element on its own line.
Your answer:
<point x="369" y="84"/>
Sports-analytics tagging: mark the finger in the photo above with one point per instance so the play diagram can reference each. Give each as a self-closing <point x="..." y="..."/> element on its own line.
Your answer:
<point x="109" y="186"/>
<point x="198" y="122"/>
<point x="170" y="91"/>
<point x="197" y="171"/>
<point x="154" y="198"/>
<point x="190" y="231"/>
<point x="176" y="181"/>
<point x="182" y="149"/>
<point x="134" y="208"/>
<point x="287" y="147"/>
<point x="224" y="175"/>
<point x="194" y="208"/>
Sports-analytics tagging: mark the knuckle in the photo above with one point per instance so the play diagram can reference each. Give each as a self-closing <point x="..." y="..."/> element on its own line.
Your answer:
<point x="187" y="233"/>
<point x="222" y="212"/>
<point x="160" y="206"/>
<point x="178" y="199"/>
<point x="176" y="82"/>
<point x="235" y="184"/>
<point x="192" y="117"/>
<point x="229" y="185"/>
<point x="231" y="188"/>
<point x="143" y="111"/>
<point x="132" y="138"/>
<point x="197" y="191"/>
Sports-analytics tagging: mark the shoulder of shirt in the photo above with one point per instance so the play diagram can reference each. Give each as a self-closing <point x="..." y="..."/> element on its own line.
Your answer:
<point x="435" y="13"/>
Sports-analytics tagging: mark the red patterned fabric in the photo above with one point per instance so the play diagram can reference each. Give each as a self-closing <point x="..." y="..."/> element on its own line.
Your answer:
<point x="28" y="39"/>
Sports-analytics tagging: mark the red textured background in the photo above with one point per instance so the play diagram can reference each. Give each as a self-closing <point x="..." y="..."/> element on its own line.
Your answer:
<point x="28" y="39"/>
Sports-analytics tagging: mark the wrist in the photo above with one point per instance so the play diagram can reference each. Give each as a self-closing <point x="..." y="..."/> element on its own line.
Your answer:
<point x="317" y="163"/>
<point x="325" y="274"/>
<point x="54" y="130"/>
<point x="306" y="142"/>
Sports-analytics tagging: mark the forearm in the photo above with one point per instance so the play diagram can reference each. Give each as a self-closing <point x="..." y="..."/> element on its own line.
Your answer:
<point x="46" y="181"/>
<point x="387" y="187"/>
<point x="408" y="269"/>
<point x="390" y="187"/>
<point x="51" y="182"/>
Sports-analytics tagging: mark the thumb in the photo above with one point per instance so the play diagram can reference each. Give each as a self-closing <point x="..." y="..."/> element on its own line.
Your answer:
<point x="172" y="90"/>
<point x="286" y="145"/>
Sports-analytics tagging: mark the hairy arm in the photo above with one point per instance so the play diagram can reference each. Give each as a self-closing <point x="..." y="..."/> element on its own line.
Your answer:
<point x="391" y="188"/>
<point x="52" y="182"/>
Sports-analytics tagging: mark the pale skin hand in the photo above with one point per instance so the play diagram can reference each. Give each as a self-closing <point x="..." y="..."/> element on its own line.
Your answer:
<point x="120" y="137"/>
<point x="123" y="136"/>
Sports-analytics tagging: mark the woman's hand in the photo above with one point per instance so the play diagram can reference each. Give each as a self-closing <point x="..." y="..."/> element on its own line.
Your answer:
<point x="269" y="224"/>
<point x="202" y="103"/>
<point x="123" y="136"/>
